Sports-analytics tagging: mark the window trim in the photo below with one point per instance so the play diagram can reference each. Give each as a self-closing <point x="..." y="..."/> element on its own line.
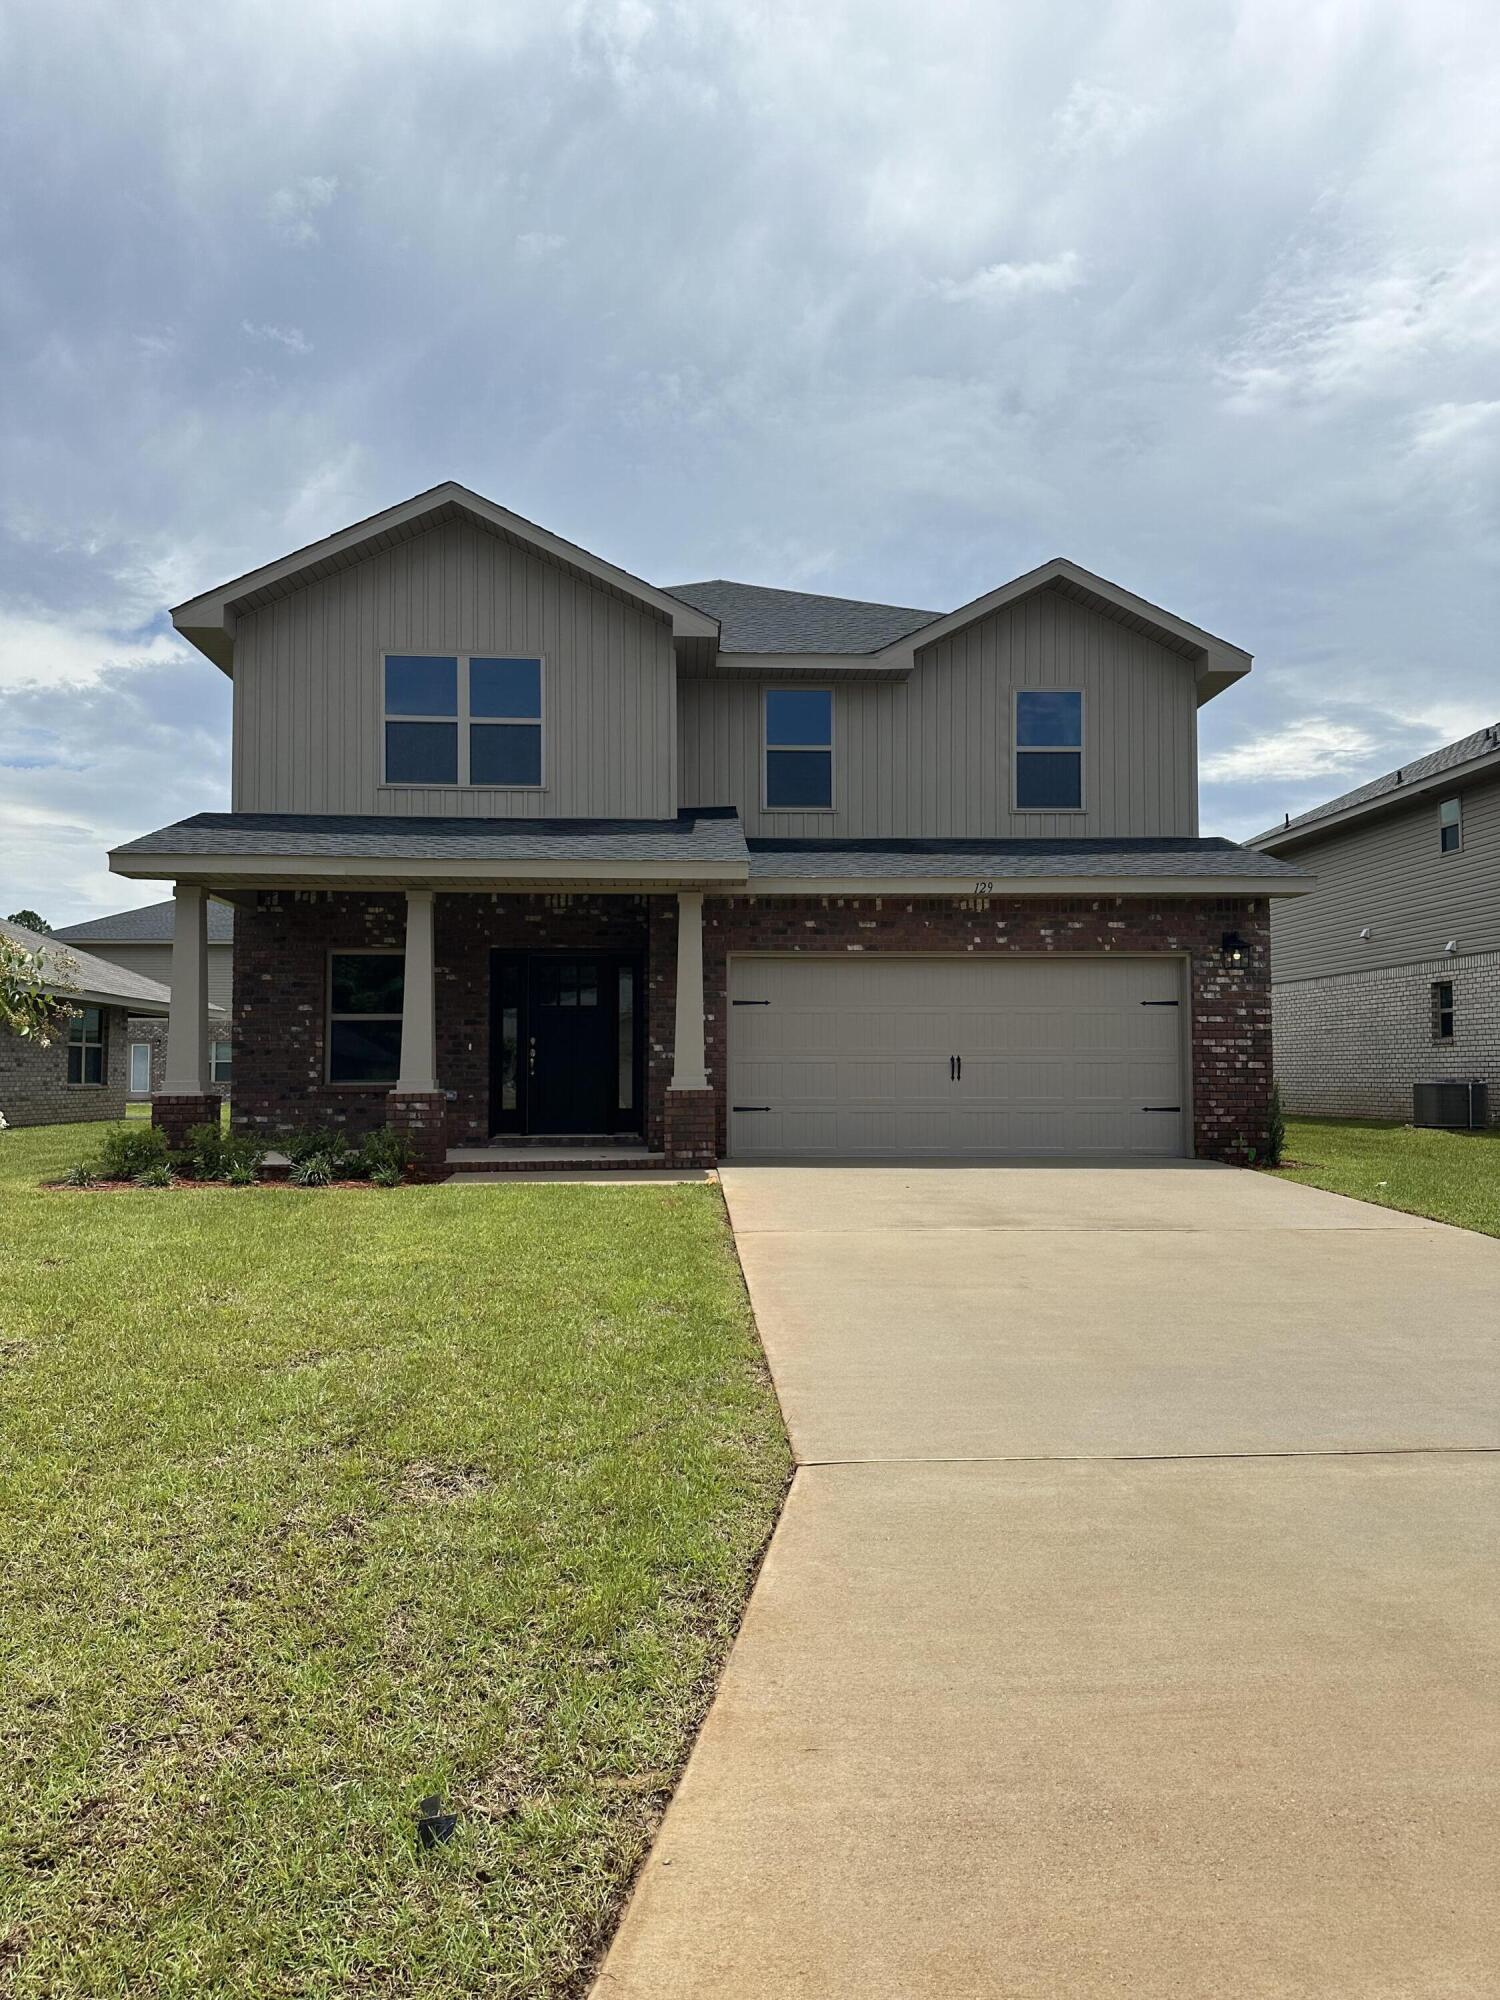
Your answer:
<point x="330" y="1081"/>
<point x="1439" y="1010"/>
<point x="82" y="1043"/>
<point x="1019" y="750"/>
<point x="462" y="720"/>
<point x="769" y="688"/>
<point x="1457" y="822"/>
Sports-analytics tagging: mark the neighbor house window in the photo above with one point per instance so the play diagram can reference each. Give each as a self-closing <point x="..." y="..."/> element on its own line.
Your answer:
<point x="364" y="1016"/>
<point x="463" y="719"/>
<point x="140" y="1069"/>
<point x="799" y="749"/>
<point x="1442" y="1010"/>
<point x="1450" y="826"/>
<point x="1049" y="751"/>
<point x="220" y="1060"/>
<point x="86" y="1046"/>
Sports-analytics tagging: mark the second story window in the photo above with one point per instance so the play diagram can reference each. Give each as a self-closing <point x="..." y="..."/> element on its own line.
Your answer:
<point x="799" y="749"/>
<point x="1049" y="750"/>
<point x="463" y="719"/>
<point x="1450" y="826"/>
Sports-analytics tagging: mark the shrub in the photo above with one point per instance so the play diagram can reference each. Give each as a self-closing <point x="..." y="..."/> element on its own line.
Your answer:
<point x="80" y="1175"/>
<point x="154" y="1177"/>
<point x="316" y="1170"/>
<point x="213" y="1154"/>
<point x="385" y="1152"/>
<point x="130" y="1151"/>
<point x="239" y="1173"/>
<point x="1275" y="1129"/>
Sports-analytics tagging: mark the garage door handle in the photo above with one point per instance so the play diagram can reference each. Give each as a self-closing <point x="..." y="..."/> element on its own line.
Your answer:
<point x="1161" y="1107"/>
<point x="955" y="1068"/>
<point x="749" y="1107"/>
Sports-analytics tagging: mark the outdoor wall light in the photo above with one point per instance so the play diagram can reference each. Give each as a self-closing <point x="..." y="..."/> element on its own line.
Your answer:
<point x="1234" y="951"/>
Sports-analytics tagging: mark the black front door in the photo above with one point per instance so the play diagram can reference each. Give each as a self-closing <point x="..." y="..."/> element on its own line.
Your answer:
<point x="566" y="1043"/>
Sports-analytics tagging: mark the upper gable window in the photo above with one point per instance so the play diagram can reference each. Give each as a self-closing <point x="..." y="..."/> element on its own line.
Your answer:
<point x="463" y="719"/>
<point x="799" y="749"/>
<point x="1450" y="826"/>
<point x="1049" y="750"/>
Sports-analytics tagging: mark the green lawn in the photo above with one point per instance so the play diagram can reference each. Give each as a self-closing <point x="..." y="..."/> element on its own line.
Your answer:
<point x="315" y="1503"/>
<point x="1451" y="1176"/>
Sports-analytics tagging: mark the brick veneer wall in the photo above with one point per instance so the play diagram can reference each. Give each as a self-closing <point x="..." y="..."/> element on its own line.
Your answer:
<point x="281" y="994"/>
<point x="281" y="986"/>
<point x="152" y="1030"/>
<point x="1231" y="1011"/>
<point x="34" y="1087"/>
<point x="1351" y="1045"/>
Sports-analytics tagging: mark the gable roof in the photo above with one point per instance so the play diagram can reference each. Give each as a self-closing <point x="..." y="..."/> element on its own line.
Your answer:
<point x="153" y="923"/>
<point x="81" y="976"/>
<point x="1217" y="663"/>
<point x="1471" y="755"/>
<point x="208" y="620"/>
<point x="753" y="618"/>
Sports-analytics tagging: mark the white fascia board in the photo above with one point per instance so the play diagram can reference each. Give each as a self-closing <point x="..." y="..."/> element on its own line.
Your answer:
<point x="208" y="620"/>
<point x="228" y="871"/>
<point x="1437" y="782"/>
<point x="1102" y="886"/>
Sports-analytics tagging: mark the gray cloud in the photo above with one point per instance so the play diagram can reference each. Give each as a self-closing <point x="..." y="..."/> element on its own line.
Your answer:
<point x="868" y="299"/>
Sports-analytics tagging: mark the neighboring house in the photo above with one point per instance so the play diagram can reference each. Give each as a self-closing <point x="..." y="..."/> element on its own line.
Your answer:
<point x="141" y="941"/>
<point x="1388" y="973"/>
<point x="522" y="846"/>
<point x="82" y="1072"/>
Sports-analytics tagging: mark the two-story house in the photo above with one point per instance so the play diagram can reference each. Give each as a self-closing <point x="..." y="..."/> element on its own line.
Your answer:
<point x="1388" y="973"/>
<point x="522" y="846"/>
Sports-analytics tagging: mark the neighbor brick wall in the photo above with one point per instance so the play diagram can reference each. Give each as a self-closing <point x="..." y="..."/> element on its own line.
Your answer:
<point x="34" y="1087"/>
<point x="1352" y="1045"/>
<point x="1231" y="1011"/>
<point x="152" y="1030"/>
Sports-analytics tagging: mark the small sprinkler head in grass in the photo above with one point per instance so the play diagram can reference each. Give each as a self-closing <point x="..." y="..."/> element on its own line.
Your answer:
<point x="434" y="1826"/>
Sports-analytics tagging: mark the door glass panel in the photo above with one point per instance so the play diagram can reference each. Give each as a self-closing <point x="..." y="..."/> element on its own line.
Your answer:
<point x="509" y="1042"/>
<point x="626" y="1044"/>
<point x="588" y="985"/>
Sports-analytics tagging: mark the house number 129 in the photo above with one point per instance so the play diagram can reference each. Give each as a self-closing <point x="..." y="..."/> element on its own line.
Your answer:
<point x="984" y="888"/>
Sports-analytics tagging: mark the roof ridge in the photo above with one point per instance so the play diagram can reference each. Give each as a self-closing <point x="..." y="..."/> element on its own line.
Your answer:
<point x="1429" y="763"/>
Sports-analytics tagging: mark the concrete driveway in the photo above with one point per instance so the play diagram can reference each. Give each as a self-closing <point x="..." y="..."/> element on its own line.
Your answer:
<point x="1132" y="1624"/>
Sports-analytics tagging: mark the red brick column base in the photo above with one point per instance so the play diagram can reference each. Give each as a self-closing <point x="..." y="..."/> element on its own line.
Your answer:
<point x="421" y="1118"/>
<point x="176" y="1116"/>
<point x="690" y="1126"/>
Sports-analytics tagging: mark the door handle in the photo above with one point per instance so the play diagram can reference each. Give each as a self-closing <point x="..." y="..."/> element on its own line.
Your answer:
<point x="960" y="1061"/>
<point x="531" y="1056"/>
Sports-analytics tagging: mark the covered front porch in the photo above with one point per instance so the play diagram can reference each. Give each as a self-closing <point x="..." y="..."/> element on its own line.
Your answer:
<point x="487" y="1013"/>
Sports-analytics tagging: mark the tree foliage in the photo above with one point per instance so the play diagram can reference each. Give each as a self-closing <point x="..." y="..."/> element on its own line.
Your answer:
<point x="29" y="1003"/>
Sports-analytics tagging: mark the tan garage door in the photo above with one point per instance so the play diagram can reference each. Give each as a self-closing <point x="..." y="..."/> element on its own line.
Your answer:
<point x="945" y="1057"/>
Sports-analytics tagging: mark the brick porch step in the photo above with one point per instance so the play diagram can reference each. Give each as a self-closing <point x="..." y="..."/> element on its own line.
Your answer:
<point x="481" y="1162"/>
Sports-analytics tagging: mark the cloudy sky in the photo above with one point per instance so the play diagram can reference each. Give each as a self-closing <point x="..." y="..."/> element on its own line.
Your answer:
<point x="886" y="300"/>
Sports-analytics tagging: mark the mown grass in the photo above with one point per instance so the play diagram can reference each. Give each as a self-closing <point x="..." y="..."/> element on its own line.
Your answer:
<point x="316" y="1503"/>
<point x="1450" y="1176"/>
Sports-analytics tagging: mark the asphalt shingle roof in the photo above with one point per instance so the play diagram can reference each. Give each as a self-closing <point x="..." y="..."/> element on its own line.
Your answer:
<point x="90" y="978"/>
<point x="705" y="834"/>
<point x="151" y="924"/>
<point x="755" y="619"/>
<point x="1012" y="859"/>
<point x="1482" y="743"/>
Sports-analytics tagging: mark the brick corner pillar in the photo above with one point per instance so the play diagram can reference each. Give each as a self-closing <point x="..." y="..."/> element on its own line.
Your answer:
<point x="689" y="1121"/>
<point x="420" y="1117"/>
<point x="187" y="1097"/>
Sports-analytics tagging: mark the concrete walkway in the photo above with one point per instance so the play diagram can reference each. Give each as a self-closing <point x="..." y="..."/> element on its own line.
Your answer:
<point x="1132" y="1627"/>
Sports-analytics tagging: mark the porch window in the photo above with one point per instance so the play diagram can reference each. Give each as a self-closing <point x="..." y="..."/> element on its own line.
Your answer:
<point x="799" y="749"/>
<point x="463" y="719"/>
<point x="1049" y="750"/>
<point x="364" y="1016"/>
<point x="86" y="1046"/>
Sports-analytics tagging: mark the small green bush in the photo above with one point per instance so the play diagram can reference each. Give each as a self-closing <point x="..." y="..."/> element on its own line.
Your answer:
<point x="387" y="1176"/>
<point x="240" y="1174"/>
<point x="317" y="1142"/>
<point x="212" y="1153"/>
<point x="81" y="1174"/>
<point x="316" y="1170"/>
<point x="1275" y="1129"/>
<point x="345" y="1157"/>
<point x="129" y="1151"/>
<point x="155" y="1177"/>
<point x="382" y="1152"/>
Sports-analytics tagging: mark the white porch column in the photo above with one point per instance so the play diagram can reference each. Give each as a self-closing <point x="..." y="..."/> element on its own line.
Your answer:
<point x="418" y="1013"/>
<point x="688" y="1069"/>
<point x="187" y="1022"/>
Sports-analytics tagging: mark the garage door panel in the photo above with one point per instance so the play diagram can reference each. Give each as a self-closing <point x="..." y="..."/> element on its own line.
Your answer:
<point x="852" y="1057"/>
